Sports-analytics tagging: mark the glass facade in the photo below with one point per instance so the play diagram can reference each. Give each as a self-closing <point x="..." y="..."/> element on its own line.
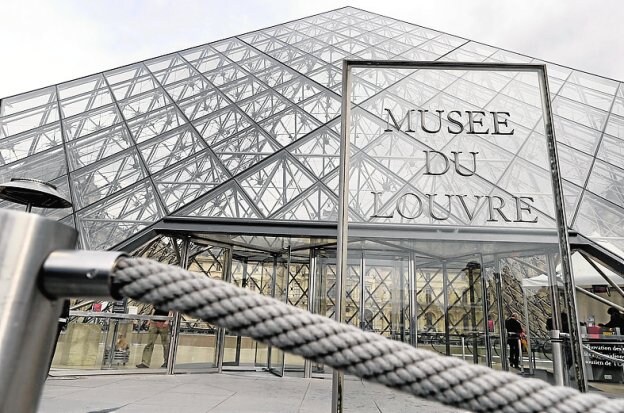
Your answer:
<point x="244" y="133"/>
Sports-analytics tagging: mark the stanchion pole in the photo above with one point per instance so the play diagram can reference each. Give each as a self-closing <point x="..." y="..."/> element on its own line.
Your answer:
<point x="28" y="319"/>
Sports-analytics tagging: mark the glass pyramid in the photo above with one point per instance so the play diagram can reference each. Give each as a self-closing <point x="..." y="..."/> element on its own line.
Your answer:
<point x="248" y="127"/>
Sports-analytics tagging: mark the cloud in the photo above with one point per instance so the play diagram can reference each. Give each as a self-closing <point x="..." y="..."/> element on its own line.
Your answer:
<point x="51" y="42"/>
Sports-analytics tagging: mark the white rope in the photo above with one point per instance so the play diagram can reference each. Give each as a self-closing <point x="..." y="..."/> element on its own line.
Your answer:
<point x="422" y="373"/>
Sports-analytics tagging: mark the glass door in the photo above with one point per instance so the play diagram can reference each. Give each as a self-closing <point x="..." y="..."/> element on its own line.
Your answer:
<point x="256" y="272"/>
<point x="200" y="343"/>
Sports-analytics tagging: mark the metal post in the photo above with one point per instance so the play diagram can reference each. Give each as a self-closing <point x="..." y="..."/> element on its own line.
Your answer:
<point x="558" y="370"/>
<point x="528" y="335"/>
<point x="463" y="341"/>
<point x="362" y="297"/>
<point x="273" y="290"/>
<point x="413" y="302"/>
<point x="562" y="229"/>
<point x="402" y="283"/>
<point x="486" y="315"/>
<point x="220" y="339"/>
<point x="498" y="283"/>
<point x="307" y="364"/>
<point x="343" y="224"/>
<point x="447" y="326"/>
<point x="473" y="314"/>
<point x="28" y="319"/>
<point x="177" y="317"/>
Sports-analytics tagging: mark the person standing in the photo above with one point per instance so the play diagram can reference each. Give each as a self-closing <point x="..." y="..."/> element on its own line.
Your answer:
<point x="514" y="332"/>
<point x="156" y="328"/>
<point x="616" y="321"/>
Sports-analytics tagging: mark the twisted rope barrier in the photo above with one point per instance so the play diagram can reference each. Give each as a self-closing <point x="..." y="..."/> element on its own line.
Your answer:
<point x="424" y="374"/>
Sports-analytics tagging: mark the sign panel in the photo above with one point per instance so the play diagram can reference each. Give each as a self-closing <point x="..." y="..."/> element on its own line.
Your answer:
<point x="449" y="147"/>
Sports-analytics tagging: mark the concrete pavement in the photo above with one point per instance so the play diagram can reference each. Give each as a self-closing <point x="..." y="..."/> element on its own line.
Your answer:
<point x="219" y="393"/>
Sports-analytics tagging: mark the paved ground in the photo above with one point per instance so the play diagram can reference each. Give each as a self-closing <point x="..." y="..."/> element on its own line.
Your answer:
<point x="218" y="393"/>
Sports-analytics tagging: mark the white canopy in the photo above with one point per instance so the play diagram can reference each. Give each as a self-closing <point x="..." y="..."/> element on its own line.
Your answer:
<point x="584" y="275"/>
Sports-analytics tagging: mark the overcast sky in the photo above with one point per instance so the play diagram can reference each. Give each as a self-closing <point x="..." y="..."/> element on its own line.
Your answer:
<point x="46" y="42"/>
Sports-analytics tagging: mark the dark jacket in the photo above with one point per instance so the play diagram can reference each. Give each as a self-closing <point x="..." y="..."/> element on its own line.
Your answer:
<point x="617" y="320"/>
<point x="513" y="327"/>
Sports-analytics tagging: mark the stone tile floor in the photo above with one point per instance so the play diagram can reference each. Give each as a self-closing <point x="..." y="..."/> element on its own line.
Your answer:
<point x="219" y="393"/>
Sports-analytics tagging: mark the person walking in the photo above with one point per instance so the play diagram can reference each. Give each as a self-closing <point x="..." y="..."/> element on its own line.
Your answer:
<point x="514" y="333"/>
<point x="156" y="328"/>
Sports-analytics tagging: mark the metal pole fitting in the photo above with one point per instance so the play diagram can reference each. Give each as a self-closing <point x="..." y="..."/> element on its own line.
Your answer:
<point x="74" y="273"/>
<point x="28" y="318"/>
<point x="558" y="361"/>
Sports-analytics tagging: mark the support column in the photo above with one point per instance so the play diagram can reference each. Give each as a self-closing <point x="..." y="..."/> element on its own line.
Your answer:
<point x="447" y="327"/>
<point x="555" y="340"/>
<point x="220" y="339"/>
<point x="498" y="282"/>
<point x="312" y="285"/>
<point x="177" y="317"/>
<point x="362" y="292"/>
<point x="413" y="300"/>
<point x="486" y="315"/>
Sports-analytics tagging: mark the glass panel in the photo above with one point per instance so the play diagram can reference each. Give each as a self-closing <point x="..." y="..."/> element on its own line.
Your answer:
<point x="133" y="87"/>
<point x="144" y="103"/>
<point x="275" y="76"/>
<point x="105" y="224"/>
<point x="224" y="75"/>
<point x="586" y="96"/>
<point x="23" y="121"/>
<point x="575" y="135"/>
<point x="574" y="164"/>
<point x="187" y="88"/>
<point x="611" y="150"/>
<point x="274" y="184"/>
<point x="226" y="202"/>
<point x="601" y="84"/>
<point x="86" y="85"/>
<point x="106" y="177"/>
<point x="95" y="147"/>
<point x="289" y="125"/>
<point x="264" y="105"/>
<point x="188" y="179"/>
<point x="607" y="181"/>
<point x="318" y="151"/>
<point x="219" y="126"/>
<point x="44" y="166"/>
<point x="29" y="143"/>
<point x="170" y="148"/>
<point x="577" y="112"/>
<point x="152" y="124"/>
<point x="89" y="122"/>
<point x="202" y="104"/>
<point x="599" y="218"/>
<point x="85" y="102"/>
<point x="198" y="53"/>
<point x="243" y="88"/>
<point x="240" y="152"/>
<point x="199" y="341"/>
<point x="126" y="73"/>
<point x="100" y="336"/>
<point x="615" y="126"/>
<point x="30" y="100"/>
<point x="164" y="62"/>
